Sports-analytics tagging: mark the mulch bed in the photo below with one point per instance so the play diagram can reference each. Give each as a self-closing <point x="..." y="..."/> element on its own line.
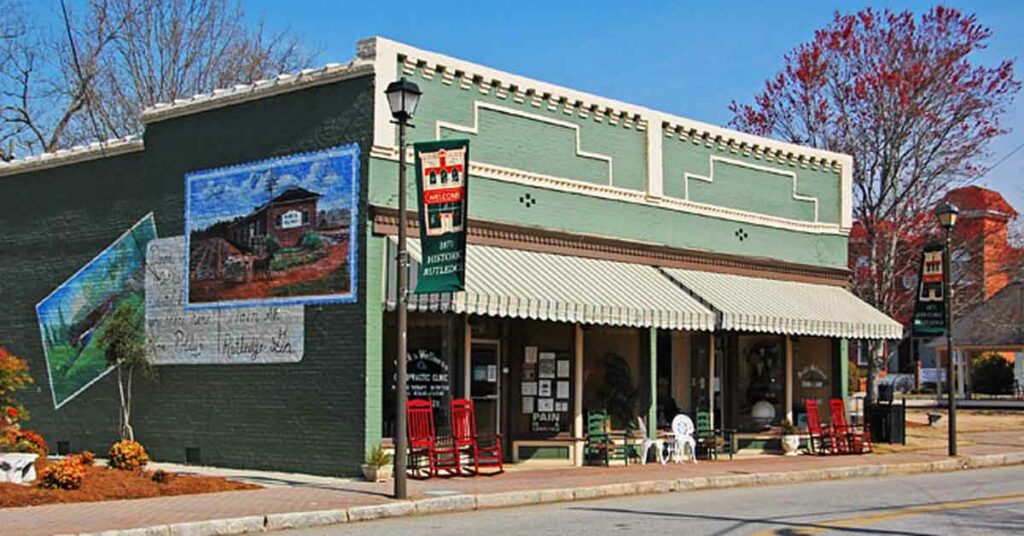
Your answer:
<point x="104" y="484"/>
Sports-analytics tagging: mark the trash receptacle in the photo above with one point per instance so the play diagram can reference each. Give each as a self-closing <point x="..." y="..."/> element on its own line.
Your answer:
<point x="888" y="423"/>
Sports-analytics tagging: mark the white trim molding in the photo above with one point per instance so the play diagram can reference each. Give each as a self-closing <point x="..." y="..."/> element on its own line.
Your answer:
<point x="260" y="89"/>
<point x="73" y="155"/>
<point x="475" y="130"/>
<point x="710" y="178"/>
<point x="655" y="162"/>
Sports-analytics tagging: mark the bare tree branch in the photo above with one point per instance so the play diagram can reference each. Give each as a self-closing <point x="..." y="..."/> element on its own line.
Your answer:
<point x="131" y="54"/>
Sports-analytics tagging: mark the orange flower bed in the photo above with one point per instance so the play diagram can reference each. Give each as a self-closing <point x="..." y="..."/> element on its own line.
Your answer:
<point x="105" y="484"/>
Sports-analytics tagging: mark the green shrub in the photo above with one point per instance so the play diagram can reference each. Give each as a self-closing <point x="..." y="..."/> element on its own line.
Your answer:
<point x="378" y="457"/>
<point x="992" y="374"/>
<point x="271" y="244"/>
<point x="311" y="240"/>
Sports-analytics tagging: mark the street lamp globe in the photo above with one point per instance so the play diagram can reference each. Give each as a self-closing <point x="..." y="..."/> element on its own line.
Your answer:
<point x="403" y="97"/>
<point x="947" y="213"/>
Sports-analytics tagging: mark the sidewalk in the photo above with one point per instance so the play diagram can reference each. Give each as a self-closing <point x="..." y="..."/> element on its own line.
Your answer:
<point x="287" y="493"/>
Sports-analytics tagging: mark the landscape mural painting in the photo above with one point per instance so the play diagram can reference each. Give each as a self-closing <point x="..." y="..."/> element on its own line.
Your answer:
<point x="273" y="232"/>
<point x="72" y="317"/>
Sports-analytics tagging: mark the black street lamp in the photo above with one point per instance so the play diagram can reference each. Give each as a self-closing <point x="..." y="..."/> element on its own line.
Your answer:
<point x="946" y="215"/>
<point x="403" y="97"/>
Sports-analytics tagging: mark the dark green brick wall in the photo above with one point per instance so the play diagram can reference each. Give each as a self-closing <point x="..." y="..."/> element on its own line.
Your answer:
<point x="306" y="416"/>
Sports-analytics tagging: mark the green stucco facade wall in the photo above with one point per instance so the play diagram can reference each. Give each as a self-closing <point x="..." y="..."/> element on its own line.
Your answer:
<point x="498" y="201"/>
<point x="532" y="145"/>
<point x="748" y="182"/>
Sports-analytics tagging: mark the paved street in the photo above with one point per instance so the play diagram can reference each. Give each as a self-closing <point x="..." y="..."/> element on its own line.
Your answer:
<point x="973" y="502"/>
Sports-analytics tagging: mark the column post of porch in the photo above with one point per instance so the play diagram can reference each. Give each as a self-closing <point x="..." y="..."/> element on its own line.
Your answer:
<point x="652" y="382"/>
<point x="789" y="379"/>
<point x="578" y="431"/>
<point x="467" y="334"/>
<point x="711" y="380"/>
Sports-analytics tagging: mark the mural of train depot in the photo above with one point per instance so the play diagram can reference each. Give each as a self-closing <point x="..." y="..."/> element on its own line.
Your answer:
<point x="275" y="231"/>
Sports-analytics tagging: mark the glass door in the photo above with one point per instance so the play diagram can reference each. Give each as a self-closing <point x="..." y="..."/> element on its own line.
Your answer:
<point x="485" y="384"/>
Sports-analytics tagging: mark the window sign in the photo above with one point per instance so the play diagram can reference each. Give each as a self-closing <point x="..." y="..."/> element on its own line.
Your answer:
<point x="544" y="397"/>
<point x="291" y="219"/>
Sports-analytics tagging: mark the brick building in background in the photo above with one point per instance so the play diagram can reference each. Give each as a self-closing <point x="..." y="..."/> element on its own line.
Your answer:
<point x="984" y="262"/>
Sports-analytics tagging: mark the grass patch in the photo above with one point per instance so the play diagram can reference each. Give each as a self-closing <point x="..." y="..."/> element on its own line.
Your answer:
<point x="334" y="282"/>
<point x="299" y="257"/>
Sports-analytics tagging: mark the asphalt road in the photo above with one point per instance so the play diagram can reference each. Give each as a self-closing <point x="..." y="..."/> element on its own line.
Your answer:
<point x="970" y="502"/>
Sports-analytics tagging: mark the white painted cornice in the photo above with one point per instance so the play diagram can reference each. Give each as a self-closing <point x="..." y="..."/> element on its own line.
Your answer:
<point x="284" y="83"/>
<point x="393" y="59"/>
<point x="382" y="50"/>
<point x="73" y="155"/>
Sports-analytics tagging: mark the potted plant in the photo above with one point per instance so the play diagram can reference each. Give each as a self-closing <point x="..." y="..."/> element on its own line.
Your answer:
<point x="790" y="438"/>
<point x="378" y="465"/>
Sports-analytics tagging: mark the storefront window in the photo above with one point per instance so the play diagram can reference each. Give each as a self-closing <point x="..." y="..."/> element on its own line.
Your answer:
<point x="431" y="364"/>
<point x="611" y="369"/>
<point x="813" y="373"/>
<point x="544" y="372"/>
<point x="760" y="375"/>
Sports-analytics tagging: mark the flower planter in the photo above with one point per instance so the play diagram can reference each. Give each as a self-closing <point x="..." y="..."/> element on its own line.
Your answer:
<point x="377" y="474"/>
<point x="17" y="467"/>
<point x="790" y="445"/>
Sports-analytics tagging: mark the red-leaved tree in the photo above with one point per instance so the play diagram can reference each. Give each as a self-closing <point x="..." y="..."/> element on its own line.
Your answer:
<point x="906" y="97"/>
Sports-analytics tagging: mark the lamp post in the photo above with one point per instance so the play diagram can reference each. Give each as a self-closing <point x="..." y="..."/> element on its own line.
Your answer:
<point x="403" y="97"/>
<point x="946" y="215"/>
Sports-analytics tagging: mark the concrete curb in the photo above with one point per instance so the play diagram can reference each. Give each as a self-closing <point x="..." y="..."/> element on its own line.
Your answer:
<point x="467" y="503"/>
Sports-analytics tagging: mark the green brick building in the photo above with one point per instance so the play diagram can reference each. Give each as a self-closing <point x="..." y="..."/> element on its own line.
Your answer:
<point x="610" y="244"/>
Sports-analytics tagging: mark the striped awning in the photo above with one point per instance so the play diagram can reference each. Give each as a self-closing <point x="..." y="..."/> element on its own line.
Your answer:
<point x="545" y="286"/>
<point x="786" y="307"/>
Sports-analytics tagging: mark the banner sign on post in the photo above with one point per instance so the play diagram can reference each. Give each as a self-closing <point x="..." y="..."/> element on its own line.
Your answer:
<point x="930" y="306"/>
<point x="443" y="199"/>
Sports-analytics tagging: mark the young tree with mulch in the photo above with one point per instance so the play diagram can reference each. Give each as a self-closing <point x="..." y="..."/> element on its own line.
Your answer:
<point x="124" y="338"/>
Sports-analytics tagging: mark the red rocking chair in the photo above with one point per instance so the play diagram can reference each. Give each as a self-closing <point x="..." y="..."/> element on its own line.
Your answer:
<point x="485" y="450"/>
<point x="852" y="439"/>
<point x="822" y="439"/>
<point x="441" y="453"/>
<point x="422" y="438"/>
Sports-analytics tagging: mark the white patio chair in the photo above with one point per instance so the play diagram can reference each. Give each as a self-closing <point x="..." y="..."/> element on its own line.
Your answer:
<point x="682" y="432"/>
<point x="658" y="444"/>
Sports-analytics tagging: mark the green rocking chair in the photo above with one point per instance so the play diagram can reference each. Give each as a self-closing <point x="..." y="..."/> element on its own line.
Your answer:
<point x="711" y="442"/>
<point x="601" y="445"/>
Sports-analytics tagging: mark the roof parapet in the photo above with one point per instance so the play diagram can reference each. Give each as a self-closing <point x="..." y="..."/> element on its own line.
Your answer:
<point x="284" y="83"/>
<point x="73" y="155"/>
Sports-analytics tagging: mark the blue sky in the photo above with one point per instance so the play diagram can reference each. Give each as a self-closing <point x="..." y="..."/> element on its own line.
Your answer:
<point x="687" y="58"/>
<point x="224" y="194"/>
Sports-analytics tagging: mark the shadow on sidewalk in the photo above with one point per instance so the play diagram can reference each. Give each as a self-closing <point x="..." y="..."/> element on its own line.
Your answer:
<point x="784" y="528"/>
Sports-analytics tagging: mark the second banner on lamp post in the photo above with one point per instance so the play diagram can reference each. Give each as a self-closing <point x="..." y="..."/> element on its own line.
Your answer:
<point x="442" y="185"/>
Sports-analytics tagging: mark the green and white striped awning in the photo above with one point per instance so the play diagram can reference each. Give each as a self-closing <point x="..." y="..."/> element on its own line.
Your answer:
<point x="544" y="286"/>
<point x="786" y="307"/>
